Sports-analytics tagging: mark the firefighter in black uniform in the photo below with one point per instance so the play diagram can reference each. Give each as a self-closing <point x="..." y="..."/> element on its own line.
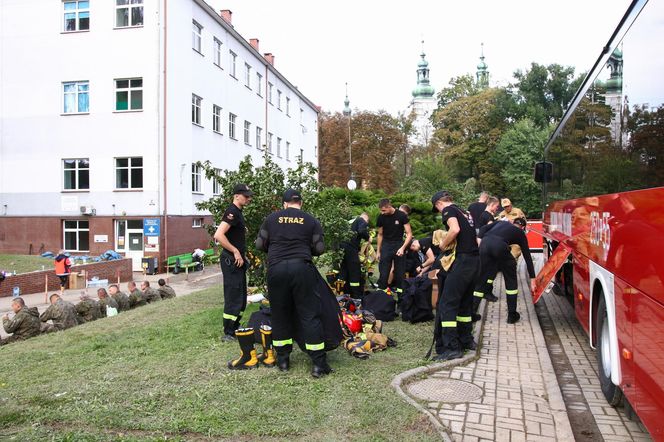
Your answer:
<point x="476" y="208"/>
<point x="392" y="224"/>
<point x="231" y="235"/>
<point x="420" y="257"/>
<point x="457" y="296"/>
<point x="495" y="257"/>
<point x="351" y="268"/>
<point x="290" y="237"/>
<point x="489" y="214"/>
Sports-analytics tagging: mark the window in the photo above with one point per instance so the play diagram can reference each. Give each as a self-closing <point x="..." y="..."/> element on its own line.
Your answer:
<point x="77" y="16"/>
<point x="196" y="32"/>
<point x="216" y="185"/>
<point x="259" y="84"/>
<point x="128" y="13"/>
<point x="196" y="172"/>
<point x="196" y="109"/>
<point x="217" y="52"/>
<point x="259" y="135"/>
<point x="279" y="147"/>
<point x="231" y="125"/>
<point x="216" y="119"/>
<point x="287" y="151"/>
<point x="233" y="60"/>
<point x="196" y="223"/>
<point x="316" y="151"/>
<point x="76" y="174"/>
<point x="288" y="106"/>
<point x="269" y="93"/>
<point x="76" y="97"/>
<point x="247" y="75"/>
<point x="129" y="94"/>
<point x="301" y="157"/>
<point x="269" y="142"/>
<point x="76" y="235"/>
<point x="129" y="173"/>
<point x="247" y="129"/>
<point x="278" y="99"/>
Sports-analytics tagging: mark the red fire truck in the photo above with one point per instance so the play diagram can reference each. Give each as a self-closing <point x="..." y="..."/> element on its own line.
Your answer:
<point x="604" y="218"/>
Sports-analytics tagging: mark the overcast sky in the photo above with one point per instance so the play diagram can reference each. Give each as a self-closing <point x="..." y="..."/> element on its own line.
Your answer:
<point x="374" y="45"/>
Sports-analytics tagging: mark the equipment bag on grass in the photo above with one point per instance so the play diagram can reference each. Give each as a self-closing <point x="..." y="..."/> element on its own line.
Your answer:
<point x="330" y="316"/>
<point x="416" y="300"/>
<point x="381" y="303"/>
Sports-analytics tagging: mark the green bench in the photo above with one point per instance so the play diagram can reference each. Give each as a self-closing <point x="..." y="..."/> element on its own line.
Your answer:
<point x="184" y="261"/>
<point x="211" y="256"/>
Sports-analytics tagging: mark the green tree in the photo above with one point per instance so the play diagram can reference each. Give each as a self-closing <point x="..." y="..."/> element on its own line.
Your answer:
<point x="459" y="87"/>
<point x="516" y="153"/>
<point x="544" y="92"/>
<point x="268" y="183"/>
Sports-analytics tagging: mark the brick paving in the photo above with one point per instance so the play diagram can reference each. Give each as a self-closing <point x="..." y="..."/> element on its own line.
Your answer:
<point x="612" y="423"/>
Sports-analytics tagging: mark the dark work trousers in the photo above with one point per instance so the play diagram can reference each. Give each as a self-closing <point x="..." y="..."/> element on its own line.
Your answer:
<point x="495" y="257"/>
<point x="456" y="305"/>
<point x="351" y="271"/>
<point x="291" y="287"/>
<point x="437" y="328"/>
<point x="235" y="292"/>
<point x="388" y="255"/>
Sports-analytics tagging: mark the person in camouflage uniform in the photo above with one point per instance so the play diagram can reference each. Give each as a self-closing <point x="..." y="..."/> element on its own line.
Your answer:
<point x="88" y="309"/>
<point x="120" y="298"/>
<point x="166" y="291"/>
<point x="150" y="294"/>
<point x="105" y="301"/>
<point x="61" y="313"/>
<point x="136" y="298"/>
<point x="25" y="324"/>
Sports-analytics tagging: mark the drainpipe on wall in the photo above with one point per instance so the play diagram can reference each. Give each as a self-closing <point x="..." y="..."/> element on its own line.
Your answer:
<point x="165" y="19"/>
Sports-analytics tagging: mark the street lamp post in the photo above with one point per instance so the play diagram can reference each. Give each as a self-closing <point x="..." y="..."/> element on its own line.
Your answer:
<point x="352" y="185"/>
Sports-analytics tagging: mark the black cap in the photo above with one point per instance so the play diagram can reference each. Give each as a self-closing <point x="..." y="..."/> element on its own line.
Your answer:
<point x="520" y="222"/>
<point x="438" y="195"/>
<point x="242" y="189"/>
<point x="292" y="195"/>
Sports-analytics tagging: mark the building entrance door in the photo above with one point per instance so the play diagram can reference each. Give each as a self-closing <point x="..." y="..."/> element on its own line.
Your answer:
<point x="129" y="240"/>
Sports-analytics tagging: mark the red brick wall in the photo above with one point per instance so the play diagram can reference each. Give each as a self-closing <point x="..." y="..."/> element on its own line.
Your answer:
<point x="182" y="238"/>
<point x="34" y="282"/>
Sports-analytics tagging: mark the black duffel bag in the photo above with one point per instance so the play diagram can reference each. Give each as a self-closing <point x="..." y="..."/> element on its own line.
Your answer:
<point x="416" y="300"/>
<point x="381" y="303"/>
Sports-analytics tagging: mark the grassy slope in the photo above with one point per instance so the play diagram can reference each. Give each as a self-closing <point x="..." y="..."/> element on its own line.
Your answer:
<point x="24" y="263"/>
<point x="161" y="371"/>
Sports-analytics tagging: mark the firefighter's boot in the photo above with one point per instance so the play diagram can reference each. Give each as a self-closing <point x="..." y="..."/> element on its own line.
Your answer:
<point x="229" y="331"/>
<point x="247" y="359"/>
<point x="320" y="367"/>
<point x="477" y="300"/>
<point x="283" y="356"/>
<point x="267" y="358"/>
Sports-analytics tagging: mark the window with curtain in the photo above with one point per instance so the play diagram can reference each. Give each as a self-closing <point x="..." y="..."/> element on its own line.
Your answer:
<point x="76" y="97"/>
<point x="129" y="94"/>
<point x="128" y="13"/>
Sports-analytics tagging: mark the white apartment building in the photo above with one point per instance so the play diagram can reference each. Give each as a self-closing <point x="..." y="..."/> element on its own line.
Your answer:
<point x="107" y="105"/>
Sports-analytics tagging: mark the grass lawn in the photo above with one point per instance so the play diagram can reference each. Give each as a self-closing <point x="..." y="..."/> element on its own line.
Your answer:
<point x="24" y="263"/>
<point x="159" y="372"/>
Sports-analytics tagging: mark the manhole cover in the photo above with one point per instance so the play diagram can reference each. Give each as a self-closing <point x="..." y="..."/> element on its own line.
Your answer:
<point x="445" y="390"/>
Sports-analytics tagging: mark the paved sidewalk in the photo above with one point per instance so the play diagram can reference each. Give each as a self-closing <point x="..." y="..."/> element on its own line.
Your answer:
<point x="182" y="284"/>
<point x="509" y="392"/>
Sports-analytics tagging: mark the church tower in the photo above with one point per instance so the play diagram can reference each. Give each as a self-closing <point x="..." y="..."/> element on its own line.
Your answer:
<point x="614" y="95"/>
<point x="423" y="103"/>
<point x="482" y="73"/>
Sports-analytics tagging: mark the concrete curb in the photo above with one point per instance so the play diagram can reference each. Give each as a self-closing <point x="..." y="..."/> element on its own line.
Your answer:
<point x="400" y="380"/>
<point x="555" y="396"/>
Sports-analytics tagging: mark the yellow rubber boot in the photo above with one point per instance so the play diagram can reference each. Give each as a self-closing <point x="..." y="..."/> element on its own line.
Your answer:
<point x="268" y="357"/>
<point x="247" y="359"/>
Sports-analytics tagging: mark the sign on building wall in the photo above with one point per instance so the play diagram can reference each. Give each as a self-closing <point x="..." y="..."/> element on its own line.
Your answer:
<point x="151" y="226"/>
<point x="101" y="238"/>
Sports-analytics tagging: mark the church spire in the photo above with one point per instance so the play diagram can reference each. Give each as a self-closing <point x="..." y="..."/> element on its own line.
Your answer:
<point x="423" y="88"/>
<point x="482" y="71"/>
<point x="346" y="111"/>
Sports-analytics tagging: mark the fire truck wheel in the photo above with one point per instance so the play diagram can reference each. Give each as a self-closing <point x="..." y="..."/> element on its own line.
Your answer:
<point x="611" y="391"/>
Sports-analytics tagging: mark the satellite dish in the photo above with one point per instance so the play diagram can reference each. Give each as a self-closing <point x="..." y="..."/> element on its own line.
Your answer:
<point x="352" y="185"/>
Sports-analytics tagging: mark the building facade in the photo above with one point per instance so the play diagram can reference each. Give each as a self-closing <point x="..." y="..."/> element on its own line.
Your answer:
<point x="107" y="106"/>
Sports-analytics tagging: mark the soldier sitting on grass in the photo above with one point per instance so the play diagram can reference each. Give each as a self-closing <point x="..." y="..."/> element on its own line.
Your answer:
<point x="165" y="290"/>
<point x="61" y="313"/>
<point x="107" y="303"/>
<point x="88" y="309"/>
<point x="150" y="294"/>
<point x="136" y="297"/>
<point x="120" y="297"/>
<point x="25" y="324"/>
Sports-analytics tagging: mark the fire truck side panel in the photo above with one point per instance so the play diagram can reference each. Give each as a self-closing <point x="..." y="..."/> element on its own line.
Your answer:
<point x="647" y="319"/>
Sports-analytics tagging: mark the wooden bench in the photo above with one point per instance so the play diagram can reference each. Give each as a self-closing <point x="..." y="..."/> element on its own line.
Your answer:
<point x="184" y="261"/>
